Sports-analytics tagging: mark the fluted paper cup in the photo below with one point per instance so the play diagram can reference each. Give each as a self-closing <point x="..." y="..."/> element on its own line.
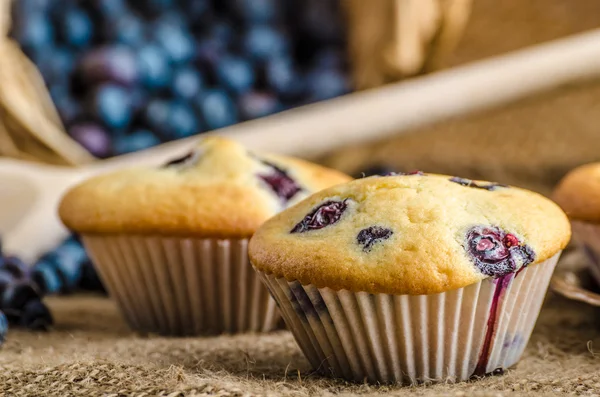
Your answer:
<point x="587" y="236"/>
<point x="406" y="339"/>
<point x="179" y="286"/>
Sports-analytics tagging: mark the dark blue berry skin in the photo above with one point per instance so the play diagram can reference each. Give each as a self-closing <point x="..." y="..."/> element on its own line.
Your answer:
<point x="187" y="83"/>
<point x="138" y="140"/>
<point x="68" y="108"/>
<point x="176" y="42"/>
<point x="46" y="277"/>
<point x="3" y="327"/>
<point x="56" y="65"/>
<point x="256" y="11"/>
<point x="156" y="116"/>
<point x="36" y="316"/>
<point x="15" y="266"/>
<point x="34" y="32"/>
<point x="60" y="270"/>
<point x="153" y="66"/>
<point x="112" y="105"/>
<point x="282" y="78"/>
<point x="110" y="8"/>
<point x="217" y="109"/>
<point x="111" y="64"/>
<point x="126" y="29"/>
<point x="182" y="121"/>
<point x="92" y="137"/>
<point x="235" y="74"/>
<point x="76" y="28"/>
<point x="90" y="280"/>
<point x="372" y="235"/>
<point x="262" y="42"/>
<point x="325" y="84"/>
<point x="254" y="104"/>
<point x="16" y="295"/>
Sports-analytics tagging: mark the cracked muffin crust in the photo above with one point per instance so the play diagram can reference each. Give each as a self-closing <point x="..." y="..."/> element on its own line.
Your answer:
<point x="409" y="234"/>
<point x="219" y="189"/>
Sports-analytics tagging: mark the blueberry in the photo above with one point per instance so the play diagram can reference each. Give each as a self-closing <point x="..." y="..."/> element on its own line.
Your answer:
<point x="76" y="28"/>
<point x="330" y="58"/>
<point x="176" y="42"/>
<point x="109" y="64"/>
<point x="46" y="277"/>
<point x="262" y="42"/>
<point x="3" y="327"/>
<point x="17" y="295"/>
<point x="6" y="278"/>
<point x="109" y="8"/>
<point x="137" y="140"/>
<point x="187" y="83"/>
<point x="153" y="66"/>
<point x="208" y="53"/>
<point x="33" y="31"/>
<point x="324" y="215"/>
<point x="35" y="316"/>
<point x="280" y="182"/>
<point x="154" y="7"/>
<point x="90" y="280"/>
<point x="469" y="183"/>
<point x="326" y="84"/>
<point x="25" y="7"/>
<point x="196" y="10"/>
<point x="182" y="121"/>
<point x="156" y="116"/>
<point x="126" y="29"/>
<point x="222" y="32"/>
<point x="235" y="74"/>
<point x="496" y="252"/>
<point x="55" y="65"/>
<point x="217" y="109"/>
<point x="282" y="78"/>
<point x="112" y="105"/>
<point x="320" y="22"/>
<point x="15" y="266"/>
<point x="68" y="108"/>
<point x="256" y="11"/>
<point x="254" y="104"/>
<point x="371" y="235"/>
<point x="92" y="137"/>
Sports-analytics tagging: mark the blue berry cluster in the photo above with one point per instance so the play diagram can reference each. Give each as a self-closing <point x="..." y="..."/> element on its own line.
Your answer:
<point x="20" y="298"/>
<point x="66" y="269"/>
<point x="128" y="74"/>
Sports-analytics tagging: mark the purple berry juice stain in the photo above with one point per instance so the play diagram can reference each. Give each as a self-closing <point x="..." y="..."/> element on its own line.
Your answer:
<point x="284" y="186"/>
<point x="502" y="284"/>
<point x="372" y="235"/>
<point x="496" y="252"/>
<point x="324" y="215"/>
<point x="470" y="183"/>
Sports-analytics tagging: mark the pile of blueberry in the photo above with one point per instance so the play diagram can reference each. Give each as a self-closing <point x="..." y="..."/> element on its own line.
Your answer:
<point x="20" y="298"/>
<point x="66" y="269"/>
<point x="22" y="287"/>
<point x="129" y="74"/>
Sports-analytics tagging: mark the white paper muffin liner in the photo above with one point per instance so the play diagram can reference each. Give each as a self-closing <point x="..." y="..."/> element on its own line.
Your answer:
<point x="587" y="236"/>
<point x="411" y="339"/>
<point x="179" y="286"/>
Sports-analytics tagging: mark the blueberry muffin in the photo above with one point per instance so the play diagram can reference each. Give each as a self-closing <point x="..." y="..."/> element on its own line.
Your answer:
<point x="171" y="243"/>
<point x="578" y="194"/>
<point x="412" y="278"/>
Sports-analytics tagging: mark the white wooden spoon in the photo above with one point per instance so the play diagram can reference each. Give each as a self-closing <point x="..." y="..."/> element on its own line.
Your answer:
<point x="30" y="193"/>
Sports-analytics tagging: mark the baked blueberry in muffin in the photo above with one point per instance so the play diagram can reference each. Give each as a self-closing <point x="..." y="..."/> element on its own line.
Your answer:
<point x="170" y="242"/>
<point x="412" y="278"/>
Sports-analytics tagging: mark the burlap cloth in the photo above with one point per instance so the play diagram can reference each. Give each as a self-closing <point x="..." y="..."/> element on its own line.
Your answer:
<point x="532" y="143"/>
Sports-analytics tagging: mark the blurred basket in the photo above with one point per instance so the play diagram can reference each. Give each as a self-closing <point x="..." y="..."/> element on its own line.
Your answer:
<point x="388" y="40"/>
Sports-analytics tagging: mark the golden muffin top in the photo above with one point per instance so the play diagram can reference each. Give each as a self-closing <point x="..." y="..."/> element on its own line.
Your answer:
<point x="219" y="189"/>
<point x="409" y="234"/>
<point x="578" y="193"/>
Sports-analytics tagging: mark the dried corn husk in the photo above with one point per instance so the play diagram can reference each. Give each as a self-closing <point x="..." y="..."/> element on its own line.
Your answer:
<point x="394" y="39"/>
